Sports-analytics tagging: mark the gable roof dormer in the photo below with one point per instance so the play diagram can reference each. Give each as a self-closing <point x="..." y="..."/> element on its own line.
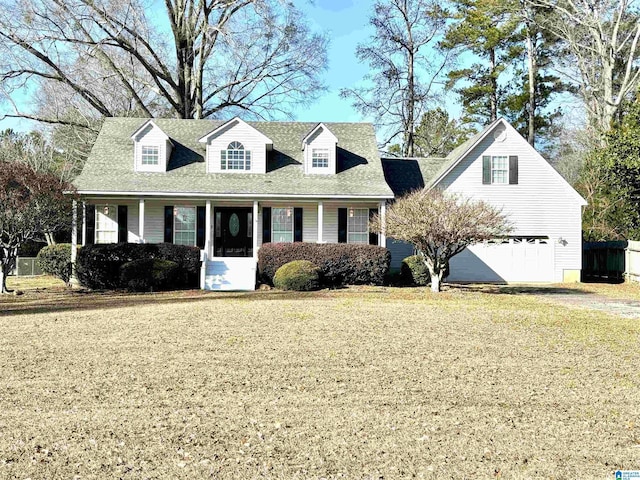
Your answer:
<point x="320" y="147"/>
<point x="236" y="147"/>
<point x="151" y="148"/>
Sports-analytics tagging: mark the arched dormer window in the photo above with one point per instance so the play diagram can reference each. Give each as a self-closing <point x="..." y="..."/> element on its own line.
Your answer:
<point x="235" y="157"/>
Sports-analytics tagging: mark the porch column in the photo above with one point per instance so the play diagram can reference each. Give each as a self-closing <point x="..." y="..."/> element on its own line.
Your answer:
<point x="320" y="222"/>
<point x="74" y="242"/>
<point x="256" y="230"/>
<point x="141" y="220"/>
<point x="84" y="223"/>
<point x="382" y="239"/>
<point x="207" y="226"/>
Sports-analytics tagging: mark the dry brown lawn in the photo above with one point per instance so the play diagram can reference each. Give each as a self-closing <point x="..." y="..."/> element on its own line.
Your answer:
<point x="359" y="383"/>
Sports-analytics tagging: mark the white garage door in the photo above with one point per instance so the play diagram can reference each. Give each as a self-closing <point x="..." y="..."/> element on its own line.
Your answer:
<point x="517" y="259"/>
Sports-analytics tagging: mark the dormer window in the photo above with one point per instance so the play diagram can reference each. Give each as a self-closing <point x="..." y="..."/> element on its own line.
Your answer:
<point x="320" y="151"/>
<point x="320" y="158"/>
<point x="151" y="148"/>
<point x="235" y="157"/>
<point x="150" y="155"/>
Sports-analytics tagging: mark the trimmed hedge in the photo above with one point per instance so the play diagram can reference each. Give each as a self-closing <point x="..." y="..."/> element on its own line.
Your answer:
<point x="148" y="274"/>
<point x="413" y="271"/>
<point x="299" y="275"/>
<point x="56" y="260"/>
<point x="98" y="266"/>
<point x="339" y="263"/>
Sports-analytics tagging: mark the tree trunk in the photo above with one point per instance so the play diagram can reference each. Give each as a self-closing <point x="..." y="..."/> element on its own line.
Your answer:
<point x="533" y="73"/>
<point x="7" y="263"/>
<point x="49" y="238"/>
<point x="436" y="281"/>
<point x="411" y="101"/>
<point x="493" y="93"/>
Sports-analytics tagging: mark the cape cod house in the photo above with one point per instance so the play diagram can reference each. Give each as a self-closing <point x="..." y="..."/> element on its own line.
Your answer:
<point x="228" y="187"/>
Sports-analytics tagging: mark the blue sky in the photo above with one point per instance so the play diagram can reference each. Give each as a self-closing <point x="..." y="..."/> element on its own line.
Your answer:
<point x="347" y="23"/>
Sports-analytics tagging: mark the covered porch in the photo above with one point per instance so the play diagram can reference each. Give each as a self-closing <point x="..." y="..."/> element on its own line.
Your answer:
<point x="229" y="231"/>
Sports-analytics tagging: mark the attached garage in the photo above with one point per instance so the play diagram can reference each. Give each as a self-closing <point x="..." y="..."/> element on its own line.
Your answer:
<point x="516" y="259"/>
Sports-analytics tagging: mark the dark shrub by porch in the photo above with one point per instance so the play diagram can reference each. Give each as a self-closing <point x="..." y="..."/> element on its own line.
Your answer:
<point x="56" y="260"/>
<point x="98" y="266"/>
<point x="339" y="263"/>
<point x="299" y="275"/>
<point x="148" y="274"/>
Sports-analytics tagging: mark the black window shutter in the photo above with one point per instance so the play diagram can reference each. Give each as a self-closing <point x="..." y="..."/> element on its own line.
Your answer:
<point x="266" y="224"/>
<point x="201" y="220"/>
<point x="342" y="225"/>
<point x="486" y="170"/>
<point x="123" y="229"/>
<point x="168" y="224"/>
<point x="90" y="224"/>
<point x="513" y="169"/>
<point x="373" y="236"/>
<point x="297" y="224"/>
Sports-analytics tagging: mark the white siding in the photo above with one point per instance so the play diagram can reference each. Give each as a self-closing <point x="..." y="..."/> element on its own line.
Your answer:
<point x="251" y="139"/>
<point x="540" y="204"/>
<point x="151" y="136"/>
<point x="321" y="138"/>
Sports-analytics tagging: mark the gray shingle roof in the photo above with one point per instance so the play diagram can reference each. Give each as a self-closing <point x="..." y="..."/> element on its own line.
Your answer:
<point x="109" y="167"/>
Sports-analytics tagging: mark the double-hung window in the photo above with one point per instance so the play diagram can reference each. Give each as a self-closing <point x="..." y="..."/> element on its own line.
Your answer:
<point x="184" y="225"/>
<point x="150" y="155"/>
<point x="235" y="157"/>
<point x="106" y="224"/>
<point x="320" y="158"/>
<point x="358" y="225"/>
<point x="282" y="224"/>
<point x="500" y="169"/>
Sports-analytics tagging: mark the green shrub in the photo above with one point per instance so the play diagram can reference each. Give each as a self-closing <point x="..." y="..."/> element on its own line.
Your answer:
<point x="56" y="260"/>
<point x="413" y="271"/>
<point x="299" y="275"/>
<point x="148" y="274"/>
<point x="339" y="263"/>
<point x="98" y="266"/>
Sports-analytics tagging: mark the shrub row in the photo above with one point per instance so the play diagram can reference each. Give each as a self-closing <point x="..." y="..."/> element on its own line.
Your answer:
<point x="339" y="263"/>
<point x="101" y="266"/>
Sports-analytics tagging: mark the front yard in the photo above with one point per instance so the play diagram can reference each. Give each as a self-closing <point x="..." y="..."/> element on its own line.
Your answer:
<point x="357" y="383"/>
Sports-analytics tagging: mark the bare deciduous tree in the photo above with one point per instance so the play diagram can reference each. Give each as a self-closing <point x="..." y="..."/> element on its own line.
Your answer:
<point x="440" y="225"/>
<point x="601" y="38"/>
<point x="110" y="57"/>
<point x="405" y="66"/>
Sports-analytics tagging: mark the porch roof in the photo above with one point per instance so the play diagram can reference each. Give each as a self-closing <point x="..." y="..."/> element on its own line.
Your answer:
<point x="109" y="168"/>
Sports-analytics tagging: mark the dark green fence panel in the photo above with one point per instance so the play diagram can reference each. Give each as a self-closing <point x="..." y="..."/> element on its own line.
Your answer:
<point x="603" y="261"/>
